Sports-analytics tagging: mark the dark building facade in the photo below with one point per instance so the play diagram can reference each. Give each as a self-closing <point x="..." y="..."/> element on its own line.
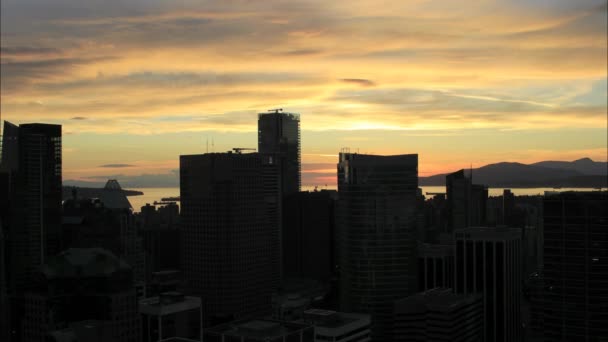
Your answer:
<point x="439" y="315"/>
<point x="4" y="302"/>
<point x="435" y="266"/>
<point x="308" y="235"/>
<point x="260" y="330"/>
<point x="488" y="261"/>
<point x="458" y="191"/>
<point x="376" y="227"/>
<point x="82" y="284"/>
<point x="228" y="237"/>
<point x="109" y="223"/>
<point x="31" y="157"/>
<point x="279" y="135"/>
<point x="466" y="202"/>
<point x="159" y="229"/>
<point x="575" y="295"/>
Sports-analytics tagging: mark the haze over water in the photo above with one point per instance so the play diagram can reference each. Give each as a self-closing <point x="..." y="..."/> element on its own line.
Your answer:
<point x="155" y="194"/>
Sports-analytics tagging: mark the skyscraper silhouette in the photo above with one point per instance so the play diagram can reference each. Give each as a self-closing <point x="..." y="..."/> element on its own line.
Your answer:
<point x="376" y="222"/>
<point x="576" y="266"/>
<point x="488" y="261"/>
<point x="228" y="236"/>
<point x="279" y="135"/>
<point x="31" y="156"/>
<point x="279" y="143"/>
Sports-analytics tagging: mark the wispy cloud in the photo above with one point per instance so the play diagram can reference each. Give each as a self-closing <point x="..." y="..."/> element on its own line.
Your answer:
<point x="425" y="68"/>
<point x="359" y="81"/>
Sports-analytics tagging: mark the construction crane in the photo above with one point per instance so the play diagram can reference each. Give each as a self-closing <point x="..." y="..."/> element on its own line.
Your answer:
<point x="239" y="150"/>
<point x="276" y="110"/>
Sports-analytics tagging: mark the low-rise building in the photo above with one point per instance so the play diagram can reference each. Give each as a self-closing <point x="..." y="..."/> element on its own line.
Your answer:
<point x="170" y="315"/>
<point x="439" y="315"/>
<point x="338" y="326"/>
<point x="260" y="330"/>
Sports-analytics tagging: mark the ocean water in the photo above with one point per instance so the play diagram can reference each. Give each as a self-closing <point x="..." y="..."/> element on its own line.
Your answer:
<point x="155" y="194"/>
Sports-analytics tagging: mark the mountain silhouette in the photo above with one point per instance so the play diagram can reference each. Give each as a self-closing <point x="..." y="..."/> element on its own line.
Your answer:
<point x="579" y="173"/>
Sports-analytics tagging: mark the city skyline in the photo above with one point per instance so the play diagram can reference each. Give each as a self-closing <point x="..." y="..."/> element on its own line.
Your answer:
<point x="434" y="78"/>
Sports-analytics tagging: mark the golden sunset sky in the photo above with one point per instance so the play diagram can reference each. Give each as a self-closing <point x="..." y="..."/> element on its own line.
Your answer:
<point x="137" y="83"/>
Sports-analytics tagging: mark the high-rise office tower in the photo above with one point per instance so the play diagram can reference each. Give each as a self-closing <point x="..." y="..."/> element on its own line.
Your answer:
<point x="376" y="225"/>
<point x="279" y="143"/>
<point x="82" y="284"/>
<point x="279" y="135"/>
<point x="576" y="266"/>
<point x="228" y="237"/>
<point x="31" y="156"/>
<point x="466" y="202"/>
<point x="458" y="188"/>
<point x="488" y="261"/>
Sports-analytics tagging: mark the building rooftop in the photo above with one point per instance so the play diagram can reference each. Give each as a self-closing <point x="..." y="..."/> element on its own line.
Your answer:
<point x="168" y="303"/>
<point x="257" y="328"/>
<point x="113" y="197"/>
<point x="430" y="250"/>
<point x="488" y="233"/>
<point x="332" y="319"/>
<point x="437" y="299"/>
<point x="83" y="262"/>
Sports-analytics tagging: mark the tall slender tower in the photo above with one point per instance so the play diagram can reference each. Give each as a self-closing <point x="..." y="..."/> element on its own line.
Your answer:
<point x="376" y="223"/>
<point x="279" y="134"/>
<point x="279" y="143"/>
<point x="31" y="156"/>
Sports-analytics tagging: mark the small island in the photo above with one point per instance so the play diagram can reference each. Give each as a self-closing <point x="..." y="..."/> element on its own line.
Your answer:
<point x="68" y="192"/>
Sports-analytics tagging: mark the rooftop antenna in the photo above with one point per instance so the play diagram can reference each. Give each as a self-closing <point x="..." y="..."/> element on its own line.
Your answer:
<point x="212" y="145"/>
<point x="207" y="144"/>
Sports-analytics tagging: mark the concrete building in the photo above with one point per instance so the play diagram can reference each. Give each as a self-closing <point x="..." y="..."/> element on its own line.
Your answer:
<point x="260" y="330"/>
<point x="575" y="275"/>
<point x="439" y="315"/>
<point x="376" y="227"/>
<point x="435" y="266"/>
<point x="82" y="284"/>
<point x="488" y="261"/>
<point x="338" y="326"/>
<point x="171" y="315"/>
<point x="228" y="236"/>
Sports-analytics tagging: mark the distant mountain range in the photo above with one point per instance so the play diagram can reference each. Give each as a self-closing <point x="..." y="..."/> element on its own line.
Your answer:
<point x="584" y="173"/>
